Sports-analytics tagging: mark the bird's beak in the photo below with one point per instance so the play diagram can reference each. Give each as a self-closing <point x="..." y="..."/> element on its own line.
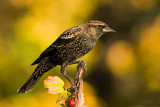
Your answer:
<point x="108" y="29"/>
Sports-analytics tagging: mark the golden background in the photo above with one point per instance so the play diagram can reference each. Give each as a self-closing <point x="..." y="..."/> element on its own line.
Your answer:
<point x="123" y="67"/>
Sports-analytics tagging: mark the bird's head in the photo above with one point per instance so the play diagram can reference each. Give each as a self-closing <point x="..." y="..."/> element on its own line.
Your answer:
<point x="97" y="28"/>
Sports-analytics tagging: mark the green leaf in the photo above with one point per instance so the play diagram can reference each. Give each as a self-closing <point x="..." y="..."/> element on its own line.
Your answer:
<point x="54" y="84"/>
<point x="62" y="97"/>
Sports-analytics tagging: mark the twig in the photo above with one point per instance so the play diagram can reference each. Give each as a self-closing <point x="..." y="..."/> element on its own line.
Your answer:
<point x="78" y="82"/>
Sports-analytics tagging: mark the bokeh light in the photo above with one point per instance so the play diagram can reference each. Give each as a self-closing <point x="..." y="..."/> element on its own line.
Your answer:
<point x="123" y="65"/>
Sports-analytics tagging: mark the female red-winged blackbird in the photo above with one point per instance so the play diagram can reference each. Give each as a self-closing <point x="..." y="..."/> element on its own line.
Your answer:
<point x="70" y="46"/>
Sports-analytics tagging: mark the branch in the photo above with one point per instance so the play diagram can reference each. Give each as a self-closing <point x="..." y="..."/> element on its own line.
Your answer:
<point x="78" y="82"/>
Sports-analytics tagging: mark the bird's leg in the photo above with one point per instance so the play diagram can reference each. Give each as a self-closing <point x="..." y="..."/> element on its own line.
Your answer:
<point x="63" y="71"/>
<point x="80" y="63"/>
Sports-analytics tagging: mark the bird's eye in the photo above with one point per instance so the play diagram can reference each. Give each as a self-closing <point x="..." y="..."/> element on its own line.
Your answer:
<point x="101" y="26"/>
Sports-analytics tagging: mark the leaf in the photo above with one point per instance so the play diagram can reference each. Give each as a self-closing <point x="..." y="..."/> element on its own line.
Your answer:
<point x="62" y="97"/>
<point x="54" y="84"/>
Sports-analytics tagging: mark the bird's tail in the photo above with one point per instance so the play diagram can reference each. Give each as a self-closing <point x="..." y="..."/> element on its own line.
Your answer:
<point x="37" y="74"/>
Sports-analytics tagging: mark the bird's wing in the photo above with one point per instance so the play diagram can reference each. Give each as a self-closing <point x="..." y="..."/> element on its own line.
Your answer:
<point x="65" y="38"/>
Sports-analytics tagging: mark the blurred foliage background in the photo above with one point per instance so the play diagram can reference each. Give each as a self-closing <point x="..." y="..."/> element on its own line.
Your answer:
<point x="123" y="68"/>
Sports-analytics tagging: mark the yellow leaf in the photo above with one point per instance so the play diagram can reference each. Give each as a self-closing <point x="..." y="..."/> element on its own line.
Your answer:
<point x="54" y="84"/>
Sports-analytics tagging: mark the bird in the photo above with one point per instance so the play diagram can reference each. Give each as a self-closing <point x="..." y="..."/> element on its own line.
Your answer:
<point x="71" y="45"/>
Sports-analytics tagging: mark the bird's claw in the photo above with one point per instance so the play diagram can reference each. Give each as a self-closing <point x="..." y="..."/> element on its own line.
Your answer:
<point x="74" y="88"/>
<point x="82" y="65"/>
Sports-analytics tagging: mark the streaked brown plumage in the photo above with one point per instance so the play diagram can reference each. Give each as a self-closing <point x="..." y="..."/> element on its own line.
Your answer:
<point x="70" y="46"/>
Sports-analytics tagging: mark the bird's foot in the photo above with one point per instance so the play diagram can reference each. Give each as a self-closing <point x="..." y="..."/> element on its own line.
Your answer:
<point x="74" y="88"/>
<point x="83" y="65"/>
